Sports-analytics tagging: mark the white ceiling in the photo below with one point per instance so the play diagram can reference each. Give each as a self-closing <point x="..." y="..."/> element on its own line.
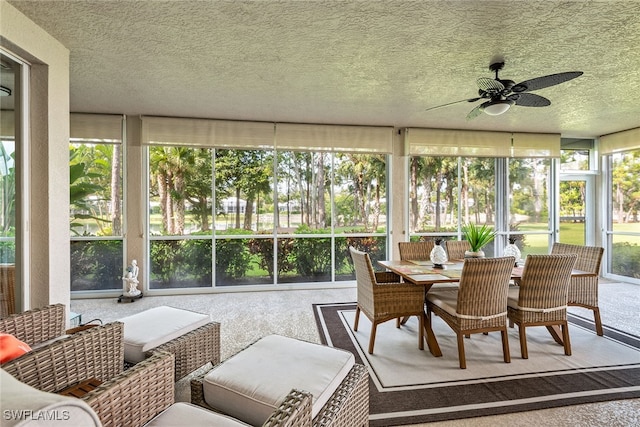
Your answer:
<point x="350" y="62"/>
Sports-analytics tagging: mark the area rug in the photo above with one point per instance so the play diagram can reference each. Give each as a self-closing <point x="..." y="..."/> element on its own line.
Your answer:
<point x="410" y="386"/>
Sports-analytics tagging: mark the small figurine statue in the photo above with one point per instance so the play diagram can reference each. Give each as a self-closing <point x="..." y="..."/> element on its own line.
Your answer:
<point x="130" y="280"/>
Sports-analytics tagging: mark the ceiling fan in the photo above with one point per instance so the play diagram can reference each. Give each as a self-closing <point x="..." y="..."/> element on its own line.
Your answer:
<point x="500" y="94"/>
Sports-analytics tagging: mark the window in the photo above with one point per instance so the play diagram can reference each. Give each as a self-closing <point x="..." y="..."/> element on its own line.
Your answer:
<point x="227" y="207"/>
<point x="495" y="178"/>
<point x="96" y="202"/>
<point x="529" y="195"/>
<point x="10" y="198"/>
<point x="624" y="221"/>
<point x="448" y="192"/>
<point x="576" y="154"/>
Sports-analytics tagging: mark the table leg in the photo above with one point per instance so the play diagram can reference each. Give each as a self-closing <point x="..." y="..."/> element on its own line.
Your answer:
<point x="432" y="342"/>
<point x="556" y="333"/>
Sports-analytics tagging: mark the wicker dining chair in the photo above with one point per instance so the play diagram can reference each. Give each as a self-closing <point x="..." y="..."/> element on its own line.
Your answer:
<point x="541" y="297"/>
<point x="583" y="291"/>
<point x="418" y="251"/>
<point x="382" y="297"/>
<point x="480" y="303"/>
<point x="457" y="248"/>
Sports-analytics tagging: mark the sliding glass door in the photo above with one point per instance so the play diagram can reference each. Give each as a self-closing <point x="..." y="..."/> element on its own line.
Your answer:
<point x="12" y="159"/>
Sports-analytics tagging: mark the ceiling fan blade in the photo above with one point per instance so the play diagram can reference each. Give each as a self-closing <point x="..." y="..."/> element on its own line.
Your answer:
<point x="489" y="85"/>
<point x="529" y="100"/>
<point x="545" y="81"/>
<point x="455" y="102"/>
<point x="475" y="112"/>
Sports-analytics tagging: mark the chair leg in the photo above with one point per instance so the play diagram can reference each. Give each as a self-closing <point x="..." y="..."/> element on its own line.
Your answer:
<point x="505" y="345"/>
<point x="355" y="323"/>
<point x="398" y="322"/>
<point x="565" y="339"/>
<point x="461" y="357"/>
<point x="598" y="322"/>
<point x="523" y="342"/>
<point x="421" y="333"/>
<point x="372" y="338"/>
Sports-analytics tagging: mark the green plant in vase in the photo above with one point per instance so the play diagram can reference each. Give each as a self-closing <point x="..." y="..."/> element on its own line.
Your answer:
<point x="478" y="237"/>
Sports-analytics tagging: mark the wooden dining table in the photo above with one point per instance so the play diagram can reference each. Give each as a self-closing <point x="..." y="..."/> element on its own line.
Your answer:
<point x="424" y="273"/>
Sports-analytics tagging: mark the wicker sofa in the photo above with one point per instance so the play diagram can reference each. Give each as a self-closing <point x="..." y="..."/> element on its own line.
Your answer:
<point x="125" y="398"/>
<point x="23" y="406"/>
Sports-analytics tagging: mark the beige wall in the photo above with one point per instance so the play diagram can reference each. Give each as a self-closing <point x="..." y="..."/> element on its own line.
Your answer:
<point x="46" y="272"/>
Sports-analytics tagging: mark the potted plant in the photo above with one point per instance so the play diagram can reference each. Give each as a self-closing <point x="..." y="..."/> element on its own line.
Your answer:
<point x="478" y="237"/>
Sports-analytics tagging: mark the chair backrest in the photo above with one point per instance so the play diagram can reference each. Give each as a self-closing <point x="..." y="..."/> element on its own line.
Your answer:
<point x="545" y="280"/>
<point x="589" y="257"/>
<point x="484" y="286"/>
<point x="365" y="277"/>
<point x="418" y="251"/>
<point x="36" y="325"/>
<point x="457" y="248"/>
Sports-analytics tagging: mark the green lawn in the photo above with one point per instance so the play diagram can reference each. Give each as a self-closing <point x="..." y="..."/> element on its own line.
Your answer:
<point x="572" y="233"/>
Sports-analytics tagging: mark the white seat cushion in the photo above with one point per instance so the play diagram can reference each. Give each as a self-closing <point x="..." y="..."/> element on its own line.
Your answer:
<point x="181" y="413"/>
<point x="512" y="299"/>
<point x="23" y="405"/>
<point x="444" y="286"/>
<point x="251" y="385"/>
<point x="151" y="328"/>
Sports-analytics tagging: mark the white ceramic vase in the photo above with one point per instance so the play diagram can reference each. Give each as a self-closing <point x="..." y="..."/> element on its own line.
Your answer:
<point x="438" y="255"/>
<point x="474" y="254"/>
<point x="512" y="250"/>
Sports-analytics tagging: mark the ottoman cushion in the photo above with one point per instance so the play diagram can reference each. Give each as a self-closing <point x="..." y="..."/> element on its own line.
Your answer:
<point x="151" y="328"/>
<point x="181" y="413"/>
<point x="251" y="385"/>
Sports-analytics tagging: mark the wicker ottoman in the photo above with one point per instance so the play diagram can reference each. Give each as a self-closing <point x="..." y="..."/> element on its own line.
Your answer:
<point x="251" y="384"/>
<point x="295" y="410"/>
<point x="191" y="337"/>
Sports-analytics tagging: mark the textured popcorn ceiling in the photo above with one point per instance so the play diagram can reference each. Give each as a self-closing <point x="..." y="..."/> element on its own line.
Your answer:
<point x="350" y="62"/>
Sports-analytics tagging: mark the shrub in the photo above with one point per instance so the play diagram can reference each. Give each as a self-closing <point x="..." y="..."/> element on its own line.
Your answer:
<point x="312" y="255"/>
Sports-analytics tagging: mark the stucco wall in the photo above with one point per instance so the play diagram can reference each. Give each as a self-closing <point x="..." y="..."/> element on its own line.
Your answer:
<point x="46" y="272"/>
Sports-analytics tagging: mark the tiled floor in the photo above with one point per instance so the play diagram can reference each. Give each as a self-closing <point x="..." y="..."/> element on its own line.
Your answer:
<point x="246" y="316"/>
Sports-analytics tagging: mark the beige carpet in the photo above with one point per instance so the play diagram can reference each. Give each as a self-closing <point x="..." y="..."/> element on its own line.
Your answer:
<point x="411" y="386"/>
<point x="397" y="362"/>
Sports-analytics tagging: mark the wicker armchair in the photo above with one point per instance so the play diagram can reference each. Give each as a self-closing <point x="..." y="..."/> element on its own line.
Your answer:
<point x="479" y="305"/>
<point x="419" y="251"/>
<point x="583" y="290"/>
<point x="125" y="398"/>
<point x="381" y="299"/>
<point x="36" y="326"/>
<point x="541" y="297"/>
<point x="457" y="248"/>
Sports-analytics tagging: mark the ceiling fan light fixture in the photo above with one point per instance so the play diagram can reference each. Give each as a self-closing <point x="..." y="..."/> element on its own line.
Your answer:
<point x="495" y="108"/>
<point x="5" y="91"/>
